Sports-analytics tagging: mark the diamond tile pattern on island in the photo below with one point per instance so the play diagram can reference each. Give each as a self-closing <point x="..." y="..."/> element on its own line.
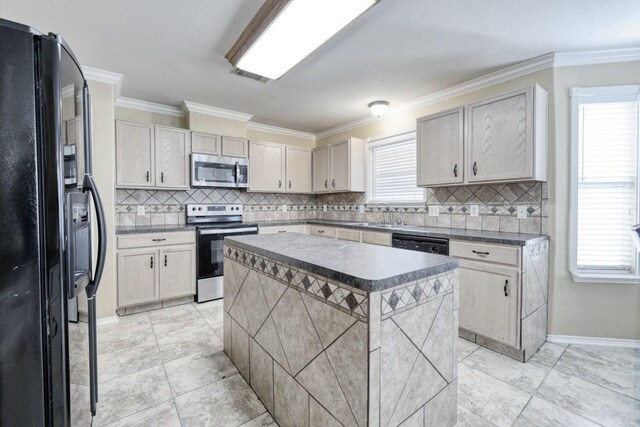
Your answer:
<point x="328" y="322"/>
<point x="254" y="302"/>
<point x="268" y="338"/>
<point x="438" y="347"/>
<point x="417" y="331"/>
<point x="404" y="297"/>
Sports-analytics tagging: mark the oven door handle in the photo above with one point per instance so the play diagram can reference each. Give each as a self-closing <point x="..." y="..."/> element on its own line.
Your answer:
<point x="227" y="231"/>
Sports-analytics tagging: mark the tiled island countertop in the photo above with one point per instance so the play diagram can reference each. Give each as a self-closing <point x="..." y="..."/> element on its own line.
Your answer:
<point x="330" y="332"/>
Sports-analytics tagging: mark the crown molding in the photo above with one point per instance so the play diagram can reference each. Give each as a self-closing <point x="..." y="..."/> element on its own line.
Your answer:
<point x="520" y="69"/>
<point x="151" y="107"/>
<point x="104" y="76"/>
<point x="281" y="131"/>
<point x="594" y="57"/>
<point x="192" y="107"/>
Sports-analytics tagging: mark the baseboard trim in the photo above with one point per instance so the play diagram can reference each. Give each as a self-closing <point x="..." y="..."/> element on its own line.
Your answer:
<point x="107" y="320"/>
<point x="573" y="339"/>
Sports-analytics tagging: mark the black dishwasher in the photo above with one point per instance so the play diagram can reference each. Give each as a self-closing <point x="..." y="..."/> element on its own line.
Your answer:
<point x="433" y="245"/>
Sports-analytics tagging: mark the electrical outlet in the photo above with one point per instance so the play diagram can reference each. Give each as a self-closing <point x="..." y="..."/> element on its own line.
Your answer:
<point x="434" y="210"/>
<point x="324" y="208"/>
<point x="522" y="212"/>
<point x="284" y="208"/>
<point x="361" y="209"/>
<point x="141" y="210"/>
<point x="474" y="210"/>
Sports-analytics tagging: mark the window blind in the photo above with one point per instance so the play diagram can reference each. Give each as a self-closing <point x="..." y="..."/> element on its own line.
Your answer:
<point x="607" y="197"/>
<point x="392" y="172"/>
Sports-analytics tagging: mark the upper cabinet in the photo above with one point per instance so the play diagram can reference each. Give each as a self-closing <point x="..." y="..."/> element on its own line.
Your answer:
<point x="440" y="150"/>
<point x="500" y="139"/>
<point x="298" y="169"/>
<point x="339" y="167"/>
<point x="172" y="157"/>
<point x="206" y="143"/>
<point x="266" y="167"/>
<point x="507" y="137"/>
<point x="234" y="147"/>
<point x="151" y="156"/>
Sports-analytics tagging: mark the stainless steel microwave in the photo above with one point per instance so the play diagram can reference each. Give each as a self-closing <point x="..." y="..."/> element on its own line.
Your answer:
<point x="219" y="171"/>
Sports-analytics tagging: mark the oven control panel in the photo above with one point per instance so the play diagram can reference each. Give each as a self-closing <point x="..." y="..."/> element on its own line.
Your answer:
<point x="213" y="210"/>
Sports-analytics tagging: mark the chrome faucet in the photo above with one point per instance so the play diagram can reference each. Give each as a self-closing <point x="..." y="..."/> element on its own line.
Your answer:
<point x="388" y="210"/>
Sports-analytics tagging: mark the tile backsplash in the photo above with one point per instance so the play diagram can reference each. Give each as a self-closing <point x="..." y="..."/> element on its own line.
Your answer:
<point x="497" y="206"/>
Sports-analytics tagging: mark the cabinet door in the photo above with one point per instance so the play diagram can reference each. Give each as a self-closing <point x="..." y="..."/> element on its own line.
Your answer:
<point x="234" y="147"/>
<point x="298" y="170"/>
<point x="137" y="277"/>
<point x="134" y="155"/>
<point x="500" y="138"/>
<point x="489" y="301"/>
<point x="177" y="271"/>
<point x="440" y="148"/>
<point x="172" y="157"/>
<point x="340" y="163"/>
<point x="266" y="168"/>
<point x="321" y="170"/>
<point x="205" y="143"/>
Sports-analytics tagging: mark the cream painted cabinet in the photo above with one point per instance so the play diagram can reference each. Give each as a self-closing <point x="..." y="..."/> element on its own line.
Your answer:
<point x="489" y="301"/>
<point x="206" y="143"/>
<point x="321" y="170"/>
<point x="345" y="167"/>
<point x="177" y="272"/>
<point x="439" y="145"/>
<point x="296" y="228"/>
<point x="234" y="147"/>
<point x="137" y="277"/>
<point x="507" y="137"/>
<point x="298" y="169"/>
<point x="155" y="266"/>
<point x="135" y="155"/>
<point x="172" y="149"/>
<point x="267" y="170"/>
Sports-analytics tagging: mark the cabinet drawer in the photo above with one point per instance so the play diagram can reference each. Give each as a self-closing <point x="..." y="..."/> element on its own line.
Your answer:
<point x="509" y="255"/>
<point x="348" y="234"/>
<point x="299" y="228"/>
<point x="376" y="238"/>
<point x="320" y="230"/>
<point x="148" y="240"/>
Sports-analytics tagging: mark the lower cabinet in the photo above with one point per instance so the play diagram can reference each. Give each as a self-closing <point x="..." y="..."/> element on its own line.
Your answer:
<point x="150" y="270"/>
<point x="272" y="229"/>
<point x="489" y="300"/>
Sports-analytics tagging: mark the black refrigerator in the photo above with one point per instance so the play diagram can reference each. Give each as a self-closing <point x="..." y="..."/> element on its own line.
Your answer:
<point x="46" y="256"/>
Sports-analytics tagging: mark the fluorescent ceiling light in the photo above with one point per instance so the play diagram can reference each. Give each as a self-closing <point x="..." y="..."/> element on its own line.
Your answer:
<point x="297" y="31"/>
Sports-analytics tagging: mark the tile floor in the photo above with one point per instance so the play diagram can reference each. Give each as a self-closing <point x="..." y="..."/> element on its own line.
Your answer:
<point x="167" y="368"/>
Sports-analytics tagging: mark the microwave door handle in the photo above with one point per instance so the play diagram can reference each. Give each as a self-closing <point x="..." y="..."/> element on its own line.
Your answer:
<point x="237" y="173"/>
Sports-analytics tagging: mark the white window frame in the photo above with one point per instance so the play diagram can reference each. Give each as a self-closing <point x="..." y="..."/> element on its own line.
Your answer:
<point x="582" y="276"/>
<point x="382" y="141"/>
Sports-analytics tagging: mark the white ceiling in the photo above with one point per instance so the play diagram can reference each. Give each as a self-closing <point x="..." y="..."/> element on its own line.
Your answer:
<point x="170" y="51"/>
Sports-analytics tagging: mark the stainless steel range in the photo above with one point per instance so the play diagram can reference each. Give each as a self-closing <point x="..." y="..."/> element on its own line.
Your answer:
<point x="214" y="223"/>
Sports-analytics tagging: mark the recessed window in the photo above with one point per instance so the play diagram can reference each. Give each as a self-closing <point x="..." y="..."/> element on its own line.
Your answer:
<point x="392" y="171"/>
<point x="604" y="199"/>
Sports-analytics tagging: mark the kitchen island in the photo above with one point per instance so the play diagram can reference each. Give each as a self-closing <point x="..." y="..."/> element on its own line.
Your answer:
<point x="329" y="332"/>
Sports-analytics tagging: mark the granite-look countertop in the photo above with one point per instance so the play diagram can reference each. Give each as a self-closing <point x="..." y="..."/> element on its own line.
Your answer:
<point x="368" y="267"/>
<point x="498" y="237"/>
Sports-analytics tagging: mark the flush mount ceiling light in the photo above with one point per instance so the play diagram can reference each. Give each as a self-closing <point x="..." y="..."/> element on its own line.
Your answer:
<point x="284" y="32"/>
<point x="378" y="108"/>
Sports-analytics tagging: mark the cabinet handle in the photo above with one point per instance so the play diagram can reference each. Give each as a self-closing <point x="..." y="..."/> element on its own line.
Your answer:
<point x="333" y="183"/>
<point x="506" y="288"/>
<point x="455" y="170"/>
<point x="320" y="231"/>
<point x="151" y="262"/>
<point x="475" y="168"/>
<point x="480" y="253"/>
<point x="279" y="183"/>
<point x="147" y="176"/>
<point x="158" y="240"/>
<point x="326" y="183"/>
<point x="165" y="260"/>
<point x="282" y="231"/>
<point x="289" y="183"/>
<point x="161" y="176"/>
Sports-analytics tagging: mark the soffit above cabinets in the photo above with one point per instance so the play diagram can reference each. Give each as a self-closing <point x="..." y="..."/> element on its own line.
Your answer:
<point x="398" y="51"/>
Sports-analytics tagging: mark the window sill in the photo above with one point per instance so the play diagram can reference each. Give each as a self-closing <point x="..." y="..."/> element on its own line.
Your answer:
<point x="605" y="278"/>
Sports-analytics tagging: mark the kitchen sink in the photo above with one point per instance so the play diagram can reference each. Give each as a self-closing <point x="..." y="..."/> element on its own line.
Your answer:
<point x="386" y="225"/>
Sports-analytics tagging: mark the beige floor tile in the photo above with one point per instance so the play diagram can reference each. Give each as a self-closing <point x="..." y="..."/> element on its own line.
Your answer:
<point x="542" y="413"/>
<point x="162" y="415"/>
<point x="465" y="348"/>
<point x="189" y="373"/>
<point x="548" y="354"/>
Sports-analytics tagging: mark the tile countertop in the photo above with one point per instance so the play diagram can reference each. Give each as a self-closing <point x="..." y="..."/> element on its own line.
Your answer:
<point x="368" y="267"/>
<point x="497" y="237"/>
